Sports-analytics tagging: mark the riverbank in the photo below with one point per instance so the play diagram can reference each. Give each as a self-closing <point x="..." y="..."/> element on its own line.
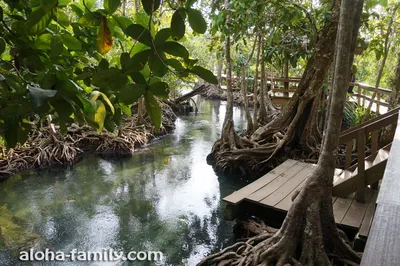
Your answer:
<point x="46" y="147"/>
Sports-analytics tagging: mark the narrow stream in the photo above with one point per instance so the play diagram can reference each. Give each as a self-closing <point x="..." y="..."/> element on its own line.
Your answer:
<point x="163" y="198"/>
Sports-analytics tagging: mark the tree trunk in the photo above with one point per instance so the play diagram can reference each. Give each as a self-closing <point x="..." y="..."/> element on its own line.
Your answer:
<point x="229" y="107"/>
<point x="309" y="235"/>
<point x="383" y="63"/>
<point x="297" y="124"/>
<point x="255" y="87"/>
<point x="394" y="101"/>
<point x="219" y="71"/>
<point x="395" y="95"/>
<point x="286" y="72"/>
<point x="263" y="111"/>
<point x="141" y="111"/>
<point x="137" y="6"/>
<point x="245" y="101"/>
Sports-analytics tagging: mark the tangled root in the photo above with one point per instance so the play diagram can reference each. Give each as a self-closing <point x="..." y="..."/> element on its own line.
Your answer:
<point x="46" y="147"/>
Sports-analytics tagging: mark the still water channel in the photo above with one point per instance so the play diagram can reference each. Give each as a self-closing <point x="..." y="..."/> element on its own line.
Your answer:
<point x="165" y="197"/>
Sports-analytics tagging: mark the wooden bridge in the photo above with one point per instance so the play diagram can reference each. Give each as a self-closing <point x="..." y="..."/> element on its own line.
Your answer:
<point x="355" y="189"/>
<point x="282" y="89"/>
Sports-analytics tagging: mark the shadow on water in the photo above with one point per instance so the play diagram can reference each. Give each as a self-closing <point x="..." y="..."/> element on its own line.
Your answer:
<point x="165" y="197"/>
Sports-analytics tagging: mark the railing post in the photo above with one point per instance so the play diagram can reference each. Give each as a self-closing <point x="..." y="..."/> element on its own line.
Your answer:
<point x="378" y="103"/>
<point x="359" y="95"/>
<point x="349" y="149"/>
<point x="360" y="195"/>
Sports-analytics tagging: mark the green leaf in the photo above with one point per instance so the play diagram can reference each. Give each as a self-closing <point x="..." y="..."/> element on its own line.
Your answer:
<point x="196" y="20"/>
<point x="62" y="18"/>
<point x="177" y="25"/>
<point x="63" y="3"/>
<point x="110" y="78"/>
<point x="153" y="109"/>
<point x="138" y="78"/>
<point x="111" y="5"/>
<point x="205" y="74"/>
<point x="175" y="49"/>
<point x="11" y="132"/>
<point x="43" y="41"/>
<point x="39" y="96"/>
<point x="2" y="46"/>
<point x="151" y="5"/>
<point x="38" y="20"/>
<point x="160" y="89"/>
<point x="71" y="42"/>
<point x="57" y="46"/>
<point x="140" y="33"/>
<point x="157" y="65"/>
<point x="89" y="20"/>
<point x="95" y="94"/>
<point x="161" y="36"/>
<point x="137" y="62"/>
<point x="131" y="93"/>
<point x="123" y="22"/>
<point x="175" y="64"/>
<point x="125" y="109"/>
<point x="100" y="115"/>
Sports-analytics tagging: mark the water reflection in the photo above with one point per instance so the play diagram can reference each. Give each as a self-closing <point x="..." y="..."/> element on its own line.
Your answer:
<point x="165" y="197"/>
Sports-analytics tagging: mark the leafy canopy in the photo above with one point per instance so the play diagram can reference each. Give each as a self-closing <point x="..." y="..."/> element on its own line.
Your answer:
<point x="87" y="64"/>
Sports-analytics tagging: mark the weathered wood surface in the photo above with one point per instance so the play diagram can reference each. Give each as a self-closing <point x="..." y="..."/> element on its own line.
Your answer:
<point x="273" y="193"/>
<point x="383" y="245"/>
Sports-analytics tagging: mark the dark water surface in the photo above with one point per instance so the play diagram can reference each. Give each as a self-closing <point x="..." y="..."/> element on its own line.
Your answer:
<point x="164" y="197"/>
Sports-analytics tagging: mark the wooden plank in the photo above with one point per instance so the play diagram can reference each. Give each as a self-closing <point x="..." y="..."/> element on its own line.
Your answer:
<point x="288" y="187"/>
<point x="341" y="206"/>
<point x="383" y="242"/>
<point x="369" y="215"/>
<point x="357" y="210"/>
<point x="238" y="195"/>
<point x="390" y="186"/>
<point x="276" y="183"/>
<point x="285" y="203"/>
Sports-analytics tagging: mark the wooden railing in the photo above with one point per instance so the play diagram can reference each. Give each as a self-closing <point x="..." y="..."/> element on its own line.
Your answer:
<point x="362" y="93"/>
<point x="360" y="139"/>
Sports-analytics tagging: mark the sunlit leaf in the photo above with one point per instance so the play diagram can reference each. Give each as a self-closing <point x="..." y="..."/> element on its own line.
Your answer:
<point x="95" y="94"/>
<point x="100" y="115"/>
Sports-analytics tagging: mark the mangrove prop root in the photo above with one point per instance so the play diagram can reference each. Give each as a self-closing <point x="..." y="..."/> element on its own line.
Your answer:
<point x="45" y="148"/>
<point x="307" y="237"/>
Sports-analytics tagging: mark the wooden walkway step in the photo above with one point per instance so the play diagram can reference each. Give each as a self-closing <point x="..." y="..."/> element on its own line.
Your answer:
<point x="271" y="196"/>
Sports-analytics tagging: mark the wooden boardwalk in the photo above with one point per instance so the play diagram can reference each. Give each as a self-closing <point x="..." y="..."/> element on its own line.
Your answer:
<point x="270" y="197"/>
<point x="383" y="244"/>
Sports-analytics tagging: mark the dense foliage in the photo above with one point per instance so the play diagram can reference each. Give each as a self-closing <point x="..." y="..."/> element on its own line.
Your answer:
<point x="86" y="62"/>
